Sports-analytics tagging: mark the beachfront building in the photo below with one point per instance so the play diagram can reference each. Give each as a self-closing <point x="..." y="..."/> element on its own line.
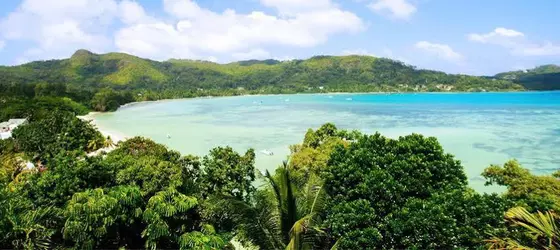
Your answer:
<point x="6" y="128"/>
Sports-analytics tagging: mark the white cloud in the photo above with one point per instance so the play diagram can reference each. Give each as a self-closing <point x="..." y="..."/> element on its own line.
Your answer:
<point x="59" y="27"/>
<point x="516" y="42"/>
<point x="131" y="12"/>
<point x="252" y="54"/>
<point x="194" y="31"/>
<point x="500" y="36"/>
<point x="2" y="45"/>
<point x="398" y="9"/>
<point x="297" y="6"/>
<point x="443" y="51"/>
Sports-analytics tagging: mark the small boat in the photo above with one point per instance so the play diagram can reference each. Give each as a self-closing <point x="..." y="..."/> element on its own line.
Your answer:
<point x="267" y="152"/>
<point x="349" y="99"/>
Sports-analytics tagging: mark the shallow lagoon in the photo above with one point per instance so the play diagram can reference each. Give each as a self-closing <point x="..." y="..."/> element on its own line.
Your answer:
<point x="478" y="128"/>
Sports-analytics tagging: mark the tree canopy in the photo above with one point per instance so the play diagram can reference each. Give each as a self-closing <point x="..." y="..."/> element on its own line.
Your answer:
<point x="339" y="190"/>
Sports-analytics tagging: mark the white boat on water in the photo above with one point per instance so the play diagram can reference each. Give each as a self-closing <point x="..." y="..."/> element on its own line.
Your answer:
<point x="267" y="152"/>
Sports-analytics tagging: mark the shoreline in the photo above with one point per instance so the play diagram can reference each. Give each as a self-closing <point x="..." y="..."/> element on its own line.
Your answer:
<point x="321" y="93"/>
<point x="116" y="137"/>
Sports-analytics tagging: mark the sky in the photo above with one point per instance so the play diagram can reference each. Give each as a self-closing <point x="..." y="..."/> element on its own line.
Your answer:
<point x="480" y="37"/>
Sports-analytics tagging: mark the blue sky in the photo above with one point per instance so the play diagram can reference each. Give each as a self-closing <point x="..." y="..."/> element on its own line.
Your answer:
<point x="481" y="37"/>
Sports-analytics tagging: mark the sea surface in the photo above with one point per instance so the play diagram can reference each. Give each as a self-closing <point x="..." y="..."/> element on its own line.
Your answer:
<point x="478" y="128"/>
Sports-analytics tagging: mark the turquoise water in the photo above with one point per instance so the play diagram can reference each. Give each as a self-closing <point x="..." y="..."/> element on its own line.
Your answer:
<point x="478" y="128"/>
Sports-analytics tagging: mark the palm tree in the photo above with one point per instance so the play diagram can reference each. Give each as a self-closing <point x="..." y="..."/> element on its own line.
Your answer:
<point x="298" y="213"/>
<point x="29" y="229"/>
<point x="108" y="142"/>
<point x="282" y="216"/>
<point x="540" y="228"/>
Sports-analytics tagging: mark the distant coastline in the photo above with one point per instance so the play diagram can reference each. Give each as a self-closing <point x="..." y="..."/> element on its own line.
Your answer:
<point x="116" y="137"/>
<point x="130" y="104"/>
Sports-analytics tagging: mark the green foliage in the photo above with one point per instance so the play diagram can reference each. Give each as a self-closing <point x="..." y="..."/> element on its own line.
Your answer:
<point x="341" y="189"/>
<point x="67" y="175"/>
<point x="163" y="207"/>
<point x="60" y="130"/>
<point x="540" y="231"/>
<point x="446" y="220"/>
<point x="311" y="156"/>
<point x="109" y="100"/>
<point x="353" y="223"/>
<point x="38" y="108"/>
<point x="22" y="225"/>
<point x="228" y="173"/>
<point x="207" y="239"/>
<point x="389" y="190"/>
<point x="389" y="171"/>
<point x="535" y="192"/>
<point x="93" y="214"/>
<point x="545" y="77"/>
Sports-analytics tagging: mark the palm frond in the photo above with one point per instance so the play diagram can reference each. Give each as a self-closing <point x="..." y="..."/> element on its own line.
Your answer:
<point x="539" y="224"/>
<point x="541" y="229"/>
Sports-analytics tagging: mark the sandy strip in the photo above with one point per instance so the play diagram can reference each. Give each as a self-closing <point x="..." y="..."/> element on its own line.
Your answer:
<point x="115" y="136"/>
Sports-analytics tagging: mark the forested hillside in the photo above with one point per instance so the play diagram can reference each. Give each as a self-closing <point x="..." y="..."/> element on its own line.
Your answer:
<point x="103" y="82"/>
<point x="546" y="77"/>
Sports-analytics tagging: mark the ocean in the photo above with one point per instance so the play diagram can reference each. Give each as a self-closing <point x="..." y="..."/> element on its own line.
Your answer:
<point x="478" y="128"/>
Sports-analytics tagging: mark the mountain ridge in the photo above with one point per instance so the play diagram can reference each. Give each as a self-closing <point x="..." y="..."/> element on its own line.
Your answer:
<point x="123" y="69"/>
<point x="105" y="81"/>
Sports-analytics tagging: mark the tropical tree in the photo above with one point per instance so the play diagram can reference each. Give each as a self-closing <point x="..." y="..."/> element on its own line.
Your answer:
<point x="402" y="193"/>
<point x="44" y="137"/>
<point x="540" y="231"/>
<point x="298" y="211"/>
<point x="228" y="173"/>
<point x="95" y="213"/>
<point x="281" y="216"/>
<point x="536" y="192"/>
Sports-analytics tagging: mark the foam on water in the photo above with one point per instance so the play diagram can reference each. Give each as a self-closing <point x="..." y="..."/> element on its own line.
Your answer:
<point x="478" y="128"/>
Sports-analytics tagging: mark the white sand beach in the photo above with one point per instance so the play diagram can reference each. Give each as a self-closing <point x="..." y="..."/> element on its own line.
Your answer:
<point x="114" y="135"/>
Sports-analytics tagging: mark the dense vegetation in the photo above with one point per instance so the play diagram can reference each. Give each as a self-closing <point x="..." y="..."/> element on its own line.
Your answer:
<point x="339" y="190"/>
<point x="104" y="82"/>
<point x="546" y="77"/>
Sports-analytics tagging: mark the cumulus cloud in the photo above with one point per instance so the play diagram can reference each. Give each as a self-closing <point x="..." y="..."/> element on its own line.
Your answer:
<point x="59" y="27"/>
<point x="131" y="12"/>
<point x="288" y="7"/>
<point x="443" y="51"/>
<point x="56" y="28"/>
<point x="495" y="35"/>
<point x="196" y="31"/>
<point x="397" y="9"/>
<point x="516" y="42"/>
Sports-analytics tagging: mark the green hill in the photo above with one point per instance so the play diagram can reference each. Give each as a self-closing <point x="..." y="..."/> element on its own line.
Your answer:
<point x="333" y="73"/>
<point x="104" y="81"/>
<point x="546" y="77"/>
